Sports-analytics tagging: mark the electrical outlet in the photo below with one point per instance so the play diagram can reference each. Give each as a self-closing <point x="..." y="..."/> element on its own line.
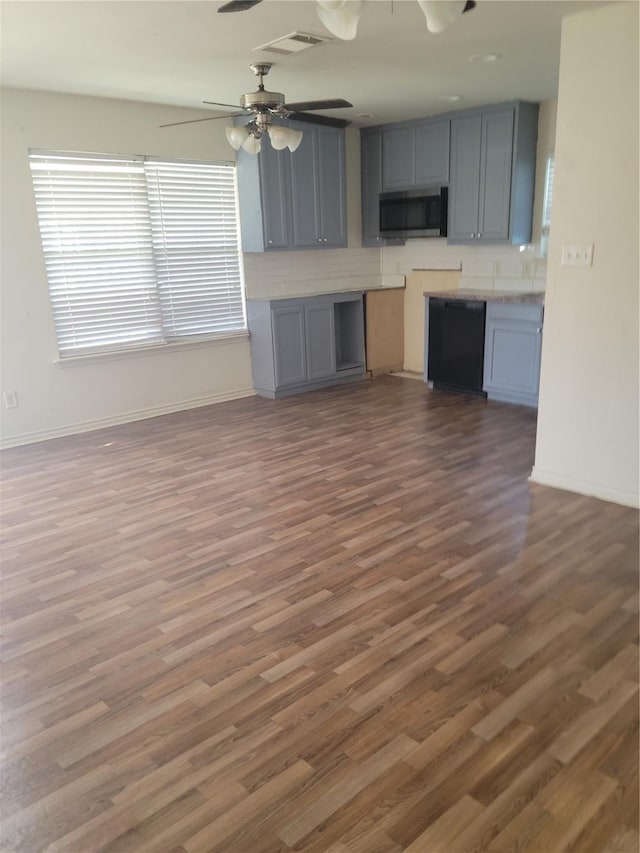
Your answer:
<point x="577" y="255"/>
<point x="10" y="399"/>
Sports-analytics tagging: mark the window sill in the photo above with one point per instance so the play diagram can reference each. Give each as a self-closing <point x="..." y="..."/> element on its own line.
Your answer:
<point x="151" y="349"/>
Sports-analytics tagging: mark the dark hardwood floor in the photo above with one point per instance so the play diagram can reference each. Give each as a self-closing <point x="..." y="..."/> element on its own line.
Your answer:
<point x="339" y="622"/>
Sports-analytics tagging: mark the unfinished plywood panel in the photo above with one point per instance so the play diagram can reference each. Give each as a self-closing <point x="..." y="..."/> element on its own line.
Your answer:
<point x="385" y="330"/>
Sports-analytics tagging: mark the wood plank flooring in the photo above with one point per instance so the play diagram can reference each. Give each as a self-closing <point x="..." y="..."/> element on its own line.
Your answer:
<point x="341" y="622"/>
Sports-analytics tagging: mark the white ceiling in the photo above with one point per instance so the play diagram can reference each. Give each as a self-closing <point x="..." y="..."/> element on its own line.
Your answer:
<point x="182" y="52"/>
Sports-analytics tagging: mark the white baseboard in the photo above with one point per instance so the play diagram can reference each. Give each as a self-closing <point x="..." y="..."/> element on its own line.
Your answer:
<point x="124" y="418"/>
<point x="585" y="487"/>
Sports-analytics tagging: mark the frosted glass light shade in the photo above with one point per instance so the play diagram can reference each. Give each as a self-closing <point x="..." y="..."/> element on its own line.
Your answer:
<point x="440" y="14"/>
<point x="340" y="17"/>
<point x="295" y="138"/>
<point x="279" y="137"/>
<point x="236" y="135"/>
<point x="252" y="145"/>
<point x="284" y="137"/>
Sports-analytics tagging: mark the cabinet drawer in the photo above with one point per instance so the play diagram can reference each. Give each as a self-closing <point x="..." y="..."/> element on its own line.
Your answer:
<point x="525" y="312"/>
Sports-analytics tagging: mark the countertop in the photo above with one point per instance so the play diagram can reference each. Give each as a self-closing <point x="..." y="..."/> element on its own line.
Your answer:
<point x="377" y="288"/>
<point x="532" y="297"/>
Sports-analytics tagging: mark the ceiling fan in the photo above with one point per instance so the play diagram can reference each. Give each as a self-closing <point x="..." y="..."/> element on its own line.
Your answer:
<point x="341" y="17"/>
<point x="264" y="106"/>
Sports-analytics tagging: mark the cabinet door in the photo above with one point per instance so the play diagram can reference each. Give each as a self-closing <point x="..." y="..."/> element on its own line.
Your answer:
<point x="305" y="206"/>
<point x="274" y="190"/>
<point x="289" y="347"/>
<point x="495" y="175"/>
<point x="331" y="186"/>
<point x="512" y="360"/>
<point x="466" y="134"/>
<point x="432" y="154"/>
<point x="371" y="159"/>
<point x="398" y="158"/>
<point x="320" y="341"/>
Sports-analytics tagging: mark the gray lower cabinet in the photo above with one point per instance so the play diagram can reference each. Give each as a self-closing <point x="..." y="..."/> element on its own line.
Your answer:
<point x="493" y="157"/>
<point x="289" y="347"/>
<point x="513" y="346"/>
<point x="304" y="343"/>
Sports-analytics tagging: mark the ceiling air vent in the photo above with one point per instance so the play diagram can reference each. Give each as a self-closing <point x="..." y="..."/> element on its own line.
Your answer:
<point x="292" y="43"/>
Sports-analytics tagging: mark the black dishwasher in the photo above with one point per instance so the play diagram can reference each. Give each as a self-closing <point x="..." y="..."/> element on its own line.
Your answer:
<point x="456" y="344"/>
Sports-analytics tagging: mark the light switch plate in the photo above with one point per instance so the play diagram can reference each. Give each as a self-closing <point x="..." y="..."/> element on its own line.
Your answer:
<point x="574" y="255"/>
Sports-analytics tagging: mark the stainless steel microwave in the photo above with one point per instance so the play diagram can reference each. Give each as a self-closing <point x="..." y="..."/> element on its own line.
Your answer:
<point x="414" y="213"/>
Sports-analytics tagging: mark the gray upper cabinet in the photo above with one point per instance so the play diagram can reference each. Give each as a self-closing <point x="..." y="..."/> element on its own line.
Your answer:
<point x="493" y="154"/>
<point x="371" y="185"/>
<point x="415" y="155"/>
<point x="274" y="195"/>
<point x="264" y="199"/>
<point x="318" y="188"/>
<point x="304" y="193"/>
<point x="294" y="200"/>
<point x="432" y="153"/>
<point x="398" y="158"/>
<point x="332" y="186"/>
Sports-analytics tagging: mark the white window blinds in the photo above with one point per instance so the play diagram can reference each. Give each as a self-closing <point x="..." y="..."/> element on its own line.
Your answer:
<point x="138" y="251"/>
<point x="195" y="238"/>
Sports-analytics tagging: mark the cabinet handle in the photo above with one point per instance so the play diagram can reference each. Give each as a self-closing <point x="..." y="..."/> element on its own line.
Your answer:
<point x="319" y="239"/>
<point x="472" y="236"/>
<point x="479" y="236"/>
<point x="325" y="240"/>
<point x="269" y="242"/>
<point x="538" y="331"/>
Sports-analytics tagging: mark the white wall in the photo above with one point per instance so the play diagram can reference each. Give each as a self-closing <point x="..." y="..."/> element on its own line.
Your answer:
<point x="588" y="415"/>
<point x="55" y="400"/>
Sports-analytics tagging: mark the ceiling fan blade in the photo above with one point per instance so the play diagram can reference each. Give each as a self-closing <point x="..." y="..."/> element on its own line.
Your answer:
<point x="193" y="121"/>
<point x="239" y="5"/>
<point x="217" y="104"/>
<point x="316" y="119"/>
<point x="331" y="104"/>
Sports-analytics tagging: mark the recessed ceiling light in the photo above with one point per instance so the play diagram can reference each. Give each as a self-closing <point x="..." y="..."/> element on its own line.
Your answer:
<point x="449" y="99"/>
<point x="485" y="57"/>
<point x="365" y="115"/>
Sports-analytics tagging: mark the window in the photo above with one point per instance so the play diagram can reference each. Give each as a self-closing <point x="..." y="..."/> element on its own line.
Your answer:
<point x="138" y="251"/>
<point x="547" y="203"/>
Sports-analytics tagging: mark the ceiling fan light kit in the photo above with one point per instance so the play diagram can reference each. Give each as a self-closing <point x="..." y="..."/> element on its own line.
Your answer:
<point x="265" y="106"/>
<point x="341" y="17"/>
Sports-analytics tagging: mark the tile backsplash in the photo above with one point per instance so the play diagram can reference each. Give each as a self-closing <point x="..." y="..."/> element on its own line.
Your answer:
<point x="482" y="267"/>
<point x="276" y="274"/>
<point x="286" y="273"/>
